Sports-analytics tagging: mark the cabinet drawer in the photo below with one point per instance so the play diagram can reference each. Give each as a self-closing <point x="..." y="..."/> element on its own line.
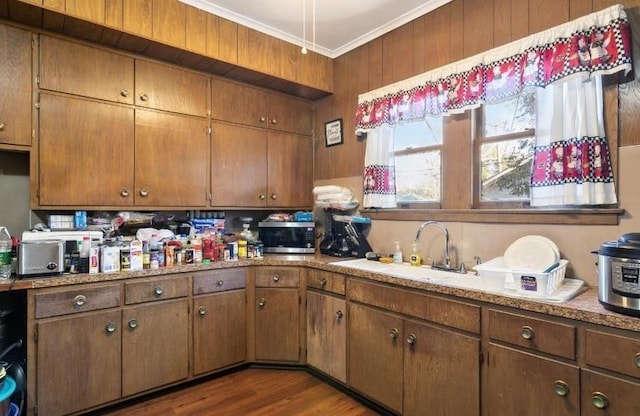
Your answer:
<point x="613" y="352"/>
<point x="219" y="280"/>
<point x="277" y="277"/>
<point x="549" y="337"/>
<point x="452" y="313"/>
<point x="156" y="289"/>
<point x="89" y="298"/>
<point x="330" y="282"/>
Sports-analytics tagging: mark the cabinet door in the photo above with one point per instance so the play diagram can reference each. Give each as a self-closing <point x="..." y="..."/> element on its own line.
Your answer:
<point x="376" y="345"/>
<point x="86" y="152"/>
<point x="290" y="114"/>
<point x="238" y="166"/>
<point x="78" y="362"/>
<point x="219" y="330"/>
<point x="171" y="159"/>
<point x="238" y="103"/>
<point x="163" y="87"/>
<point x="519" y="383"/>
<point x="327" y="334"/>
<point x="155" y="344"/>
<point x="611" y="396"/>
<point x="290" y="167"/>
<point x="15" y="84"/>
<point x="436" y="361"/>
<point x="87" y="71"/>
<point x="277" y="325"/>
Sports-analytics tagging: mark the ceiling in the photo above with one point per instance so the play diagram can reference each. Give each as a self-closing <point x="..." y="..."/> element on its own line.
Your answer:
<point x="340" y="25"/>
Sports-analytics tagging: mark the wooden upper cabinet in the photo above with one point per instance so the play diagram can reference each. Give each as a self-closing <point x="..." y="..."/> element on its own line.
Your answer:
<point x="290" y="170"/>
<point x="290" y="114"/>
<point x="238" y="103"/>
<point x="137" y="17"/>
<point x="258" y="51"/>
<point x="169" y="22"/>
<point x="195" y="34"/>
<point x="15" y="84"/>
<point x="86" y="71"/>
<point x="167" y="88"/>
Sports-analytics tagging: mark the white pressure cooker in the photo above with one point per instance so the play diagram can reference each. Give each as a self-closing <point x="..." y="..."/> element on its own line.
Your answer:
<point x="619" y="274"/>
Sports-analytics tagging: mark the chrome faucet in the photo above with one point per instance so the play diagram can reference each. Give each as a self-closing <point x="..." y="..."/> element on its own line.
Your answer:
<point x="447" y="260"/>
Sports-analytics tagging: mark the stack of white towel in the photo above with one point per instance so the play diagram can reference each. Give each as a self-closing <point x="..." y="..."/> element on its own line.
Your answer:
<point x="333" y="196"/>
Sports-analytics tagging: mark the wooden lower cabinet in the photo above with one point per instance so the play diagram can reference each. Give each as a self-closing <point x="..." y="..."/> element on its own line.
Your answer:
<point x="277" y="324"/>
<point x="219" y="330"/>
<point x="78" y="362"/>
<point x="606" y="395"/>
<point x="525" y="384"/>
<point x="327" y="334"/>
<point x="155" y="342"/>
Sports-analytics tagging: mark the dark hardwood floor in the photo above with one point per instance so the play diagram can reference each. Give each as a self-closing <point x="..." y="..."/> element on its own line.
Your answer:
<point x="251" y="391"/>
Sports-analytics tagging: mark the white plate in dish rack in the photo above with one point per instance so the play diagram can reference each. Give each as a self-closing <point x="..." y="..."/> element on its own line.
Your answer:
<point x="532" y="251"/>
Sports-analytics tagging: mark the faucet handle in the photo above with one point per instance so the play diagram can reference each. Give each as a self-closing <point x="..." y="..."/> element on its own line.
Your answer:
<point x="463" y="268"/>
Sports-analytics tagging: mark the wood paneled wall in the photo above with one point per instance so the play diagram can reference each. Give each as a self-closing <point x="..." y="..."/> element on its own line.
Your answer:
<point x="452" y="32"/>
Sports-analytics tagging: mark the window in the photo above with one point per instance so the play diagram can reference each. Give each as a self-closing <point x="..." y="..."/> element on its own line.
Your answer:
<point x="418" y="161"/>
<point x="503" y="151"/>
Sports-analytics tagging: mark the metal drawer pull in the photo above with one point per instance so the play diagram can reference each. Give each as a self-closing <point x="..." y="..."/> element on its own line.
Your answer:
<point x="393" y="334"/>
<point x="339" y="315"/>
<point x="1" y="126"/>
<point x="561" y="388"/>
<point x="262" y="303"/>
<point x="323" y="282"/>
<point x="202" y="311"/>
<point x="220" y="283"/>
<point x="79" y="301"/>
<point x="276" y="278"/>
<point x="158" y="291"/>
<point x="144" y="193"/>
<point x="637" y="360"/>
<point x="111" y="327"/>
<point x="599" y="400"/>
<point x="411" y="339"/>
<point x="133" y="324"/>
<point x="124" y="192"/>
<point x="527" y="332"/>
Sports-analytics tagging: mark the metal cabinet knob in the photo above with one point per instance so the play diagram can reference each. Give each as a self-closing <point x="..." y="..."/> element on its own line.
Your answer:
<point x="561" y="388"/>
<point x="124" y="92"/>
<point x="79" y="301"/>
<point x="144" y="193"/>
<point x="636" y="359"/>
<point x="262" y="119"/>
<point x="202" y="311"/>
<point x="144" y="97"/>
<point x="1" y="126"/>
<point x="276" y="278"/>
<point x="110" y="328"/>
<point x="323" y="282"/>
<point x="124" y="192"/>
<point x="599" y="400"/>
<point x="527" y="332"/>
<point x="339" y="315"/>
<point x="262" y="197"/>
<point x="262" y="303"/>
<point x="158" y="291"/>
<point x="274" y="121"/>
<point x="220" y="283"/>
<point x="274" y="196"/>
<point x="411" y="339"/>
<point x="133" y="324"/>
<point x="393" y="334"/>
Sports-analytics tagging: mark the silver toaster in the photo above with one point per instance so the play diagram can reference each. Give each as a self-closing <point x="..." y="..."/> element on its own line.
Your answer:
<point x="43" y="257"/>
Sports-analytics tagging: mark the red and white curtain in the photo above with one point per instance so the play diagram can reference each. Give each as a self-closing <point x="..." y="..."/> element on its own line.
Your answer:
<point x="581" y="50"/>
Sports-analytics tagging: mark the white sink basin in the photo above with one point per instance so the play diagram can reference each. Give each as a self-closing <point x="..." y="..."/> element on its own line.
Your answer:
<point x="422" y="273"/>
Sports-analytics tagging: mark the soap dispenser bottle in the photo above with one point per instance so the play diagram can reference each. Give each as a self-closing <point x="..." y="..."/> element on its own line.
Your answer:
<point x="415" y="259"/>
<point x="397" y="253"/>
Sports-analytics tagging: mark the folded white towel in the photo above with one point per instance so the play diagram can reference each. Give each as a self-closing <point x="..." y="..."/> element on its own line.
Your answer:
<point x="331" y="189"/>
<point x="335" y="197"/>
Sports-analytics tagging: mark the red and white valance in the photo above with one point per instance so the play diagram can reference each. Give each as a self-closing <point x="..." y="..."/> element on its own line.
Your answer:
<point x="599" y="43"/>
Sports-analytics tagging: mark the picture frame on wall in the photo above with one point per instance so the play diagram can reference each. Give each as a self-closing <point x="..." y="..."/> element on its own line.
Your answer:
<point x="333" y="132"/>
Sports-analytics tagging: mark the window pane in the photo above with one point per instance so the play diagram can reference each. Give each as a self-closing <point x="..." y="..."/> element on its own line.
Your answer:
<point x="418" y="177"/>
<point x="427" y="132"/>
<point x="505" y="168"/>
<point x="512" y="116"/>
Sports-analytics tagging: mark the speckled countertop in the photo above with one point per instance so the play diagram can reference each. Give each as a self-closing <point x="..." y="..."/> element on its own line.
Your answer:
<point x="583" y="307"/>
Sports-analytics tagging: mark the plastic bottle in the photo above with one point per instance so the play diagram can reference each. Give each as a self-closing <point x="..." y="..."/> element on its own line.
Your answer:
<point x="415" y="259"/>
<point x="85" y="248"/>
<point x="5" y="253"/>
<point x="397" y="253"/>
